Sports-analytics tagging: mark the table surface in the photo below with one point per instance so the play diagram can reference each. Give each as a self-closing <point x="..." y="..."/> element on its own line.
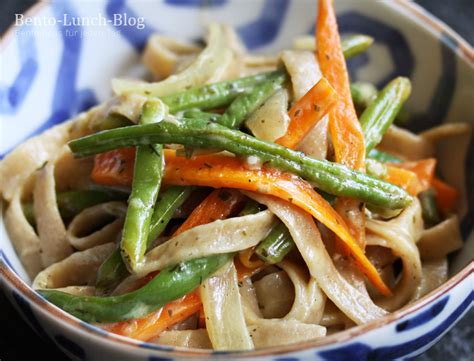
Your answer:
<point x="457" y="344"/>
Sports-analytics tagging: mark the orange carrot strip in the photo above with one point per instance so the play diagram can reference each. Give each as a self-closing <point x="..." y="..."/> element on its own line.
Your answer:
<point x="352" y="213"/>
<point x="415" y="177"/>
<point x="202" y="318"/>
<point x="218" y="205"/>
<point x="158" y="321"/>
<point x="446" y="196"/>
<point x="346" y="132"/>
<point x="244" y="271"/>
<point x="307" y="111"/>
<point x="228" y="172"/>
<point x="245" y="258"/>
<point x="424" y="170"/>
<point x="114" y="167"/>
<point x="404" y="178"/>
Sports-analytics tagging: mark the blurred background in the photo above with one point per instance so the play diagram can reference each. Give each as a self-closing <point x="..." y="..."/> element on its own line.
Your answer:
<point x="19" y="342"/>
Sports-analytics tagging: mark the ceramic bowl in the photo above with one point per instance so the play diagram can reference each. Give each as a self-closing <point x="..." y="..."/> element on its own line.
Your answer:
<point x="54" y="69"/>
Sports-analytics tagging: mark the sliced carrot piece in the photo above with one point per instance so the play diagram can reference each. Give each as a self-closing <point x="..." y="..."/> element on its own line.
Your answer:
<point x="446" y="196"/>
<point x="115" y="167"/>
<point x="244" y="271"/>
<point x="352" y="213"/>
<point x="152" y="325"/>
<point x="415" y="177"/>
<point x="202" y="318"/>
<point x="404" y="178"/>
<point x="220" y="204"/>
<point x="424" y="170"/>
<point x="246" y="258"/>
<point x="346" y="133"/>
<point x="307" y="111"/>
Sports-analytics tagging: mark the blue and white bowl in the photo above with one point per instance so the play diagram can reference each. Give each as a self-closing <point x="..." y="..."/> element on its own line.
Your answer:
<point x="53" y="69"/>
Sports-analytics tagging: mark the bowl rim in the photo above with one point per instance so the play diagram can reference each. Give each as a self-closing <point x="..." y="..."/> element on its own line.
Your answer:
<point x="464" y="49"/>
<point x="7" y="275"/>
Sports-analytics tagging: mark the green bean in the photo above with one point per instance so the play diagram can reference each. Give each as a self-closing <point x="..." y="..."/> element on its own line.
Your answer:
<point x="113" y="269"/>
<point x="71" y="203"/>
<point x="279" y="242"/>
<point x="353" y="45"/>
<point x="330" y="177"/>
<point x="167" y="204"/>
<point x="170" y="284"/>
<point x="363" y="94"/>
<point x="383" y="156"/>
<point x="145" y="187"/>
<point x="215" y="95"/>
<point x="188" y="152"/>
<point x="428" y="207"/>
<point x="379" y="170"/>
<point x="251" y="207"/>
<point x="246" y="103"/>
<point x="276" y="245"/>
<point x="378" y="117"/>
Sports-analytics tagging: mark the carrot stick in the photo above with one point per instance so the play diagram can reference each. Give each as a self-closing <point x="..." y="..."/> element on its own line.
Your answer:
<point x="156" y="322"/>
<point x="218" y="205"/>
<point x="245" y="265"/>
<point x="244" y="271"/>
<point x="202" y="318"/>
<point x="245" y="258"/>
<point x="446" y="196"/>
<point x="346" y="133"/>
<point x="352" y="213"/>
<point x="415" y="177"/>
<point x="424" y="170"/>
<point x="307" y="111"/>
<point x="404" y="178"/>
<point x="113" y="168"/>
